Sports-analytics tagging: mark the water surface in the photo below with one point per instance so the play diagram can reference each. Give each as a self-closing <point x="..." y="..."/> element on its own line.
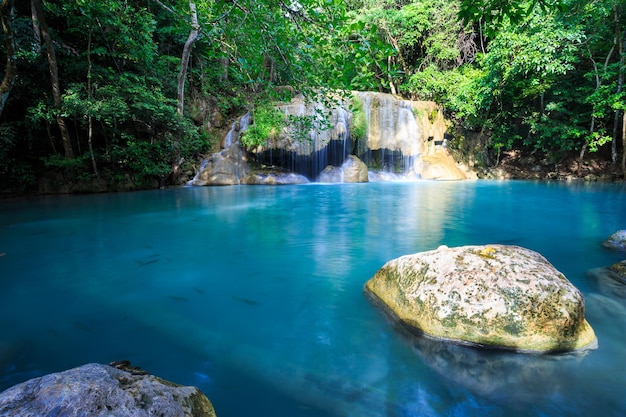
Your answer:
<point x="254" y="294"/>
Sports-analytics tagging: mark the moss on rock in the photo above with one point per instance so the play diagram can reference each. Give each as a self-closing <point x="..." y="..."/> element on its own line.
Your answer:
<point x="499" y="296"/>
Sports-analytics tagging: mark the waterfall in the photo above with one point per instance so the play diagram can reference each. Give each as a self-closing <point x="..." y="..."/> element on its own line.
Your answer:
<point x="236" y="128"/>
<point x="227" y="166"/>
<point x="394" y="137"/>
<point x="314" y="137"/>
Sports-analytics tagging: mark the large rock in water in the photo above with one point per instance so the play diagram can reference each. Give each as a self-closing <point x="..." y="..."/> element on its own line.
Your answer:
<point x="494" y="296"/>
<point x="354" y="170"/>
<point x="102" y="390"/>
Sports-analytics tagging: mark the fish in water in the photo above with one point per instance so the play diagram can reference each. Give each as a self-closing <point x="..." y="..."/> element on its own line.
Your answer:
<point x="148" y="260"/>
<point x="246" y="301"/>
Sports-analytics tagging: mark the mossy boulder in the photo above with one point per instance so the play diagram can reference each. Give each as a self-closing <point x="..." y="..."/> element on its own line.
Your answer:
<point x="494" y="296"/>
<point x="103" y="390"/>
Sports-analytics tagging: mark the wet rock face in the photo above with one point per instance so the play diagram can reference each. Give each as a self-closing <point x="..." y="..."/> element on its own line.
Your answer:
<point x="616" y="241"/>
<point x="101" y="390"/>
<point x="354" y="170"/>
<point x="494" y="296"/>
<point x="223" y="168"/>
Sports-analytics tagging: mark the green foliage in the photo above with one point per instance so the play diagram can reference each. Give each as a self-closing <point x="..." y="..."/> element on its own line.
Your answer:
<point x="542" y="75"/>
<point x="458" y="91"/>
<point x="145" y="162"/>
<point x="8" y="138"/>
<point x="268" y="123"/>
<point x="497" y="12"/>
<point x="358" y="129"/>
<point x="74" y="170"/>
<point x="303" y="127"/>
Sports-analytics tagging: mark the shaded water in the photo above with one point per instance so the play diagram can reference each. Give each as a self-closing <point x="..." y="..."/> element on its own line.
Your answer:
<point x="254" y="294"/>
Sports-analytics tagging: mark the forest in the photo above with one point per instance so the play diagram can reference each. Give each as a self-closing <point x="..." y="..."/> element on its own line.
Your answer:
<point x="129" y="94"/>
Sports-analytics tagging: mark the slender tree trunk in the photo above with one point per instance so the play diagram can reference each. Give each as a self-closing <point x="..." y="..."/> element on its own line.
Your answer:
<point x="592" y="128"/>
<point x="620" y="82"/>
<point x="54" y="77"/>
<point x="394" y="91"/>
<point x="36" y="30"/>
<point x="52" y="145"/>
<point x="616" y="120"/>
<point x="480" y="33"/>
<point x="193" y="35"/>
<point x="90" y="99"/>
<point x="396" y="46"/>
<point x="10" y="71"/>
<point x="624" y="145"/>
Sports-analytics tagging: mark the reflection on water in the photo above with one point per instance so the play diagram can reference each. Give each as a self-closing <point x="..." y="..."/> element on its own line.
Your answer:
<point x="254" y="294"/>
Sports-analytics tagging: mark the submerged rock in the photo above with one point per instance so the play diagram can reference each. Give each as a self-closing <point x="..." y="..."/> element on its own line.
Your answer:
<point x="611" y="280"/>
<point x="616" y="241"/>
<point x="274" y="178"/>
<point x="102" y="390"/>
<point x="493" y="296"/>
<point x="497" y="374"/>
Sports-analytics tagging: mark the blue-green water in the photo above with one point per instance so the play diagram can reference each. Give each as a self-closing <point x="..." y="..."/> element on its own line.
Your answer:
<point x="254" y="294"/>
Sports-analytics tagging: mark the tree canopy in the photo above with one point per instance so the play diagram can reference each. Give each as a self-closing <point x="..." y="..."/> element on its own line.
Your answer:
<point x="127" y="91"/>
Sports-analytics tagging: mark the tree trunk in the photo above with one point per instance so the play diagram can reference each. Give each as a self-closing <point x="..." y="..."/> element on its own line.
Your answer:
<point x="620" y="82"/>
<point x="36" y="30"/>
<point x="10" y="71"/>
<point x="624" y="144"/>
<point x="392" y="86"/>
<point x="54" y="76"/>
<point x="193" y="35"/>
<point x="396" y="46"/>
<point x="584" y="147"/>
<point x="90" y="99"/>
<point x="592" y="128"/>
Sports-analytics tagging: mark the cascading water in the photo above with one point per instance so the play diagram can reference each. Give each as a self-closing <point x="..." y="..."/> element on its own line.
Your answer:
<point x="227" y="166"/>
<point x="236" y="128"/>
<point x="394" y="138"/>
<point x="314" y="138"/>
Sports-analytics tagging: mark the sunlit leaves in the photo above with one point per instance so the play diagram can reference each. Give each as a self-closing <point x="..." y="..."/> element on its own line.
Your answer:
<point x="497" y="12"/>
<point x="267" y="123"/>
